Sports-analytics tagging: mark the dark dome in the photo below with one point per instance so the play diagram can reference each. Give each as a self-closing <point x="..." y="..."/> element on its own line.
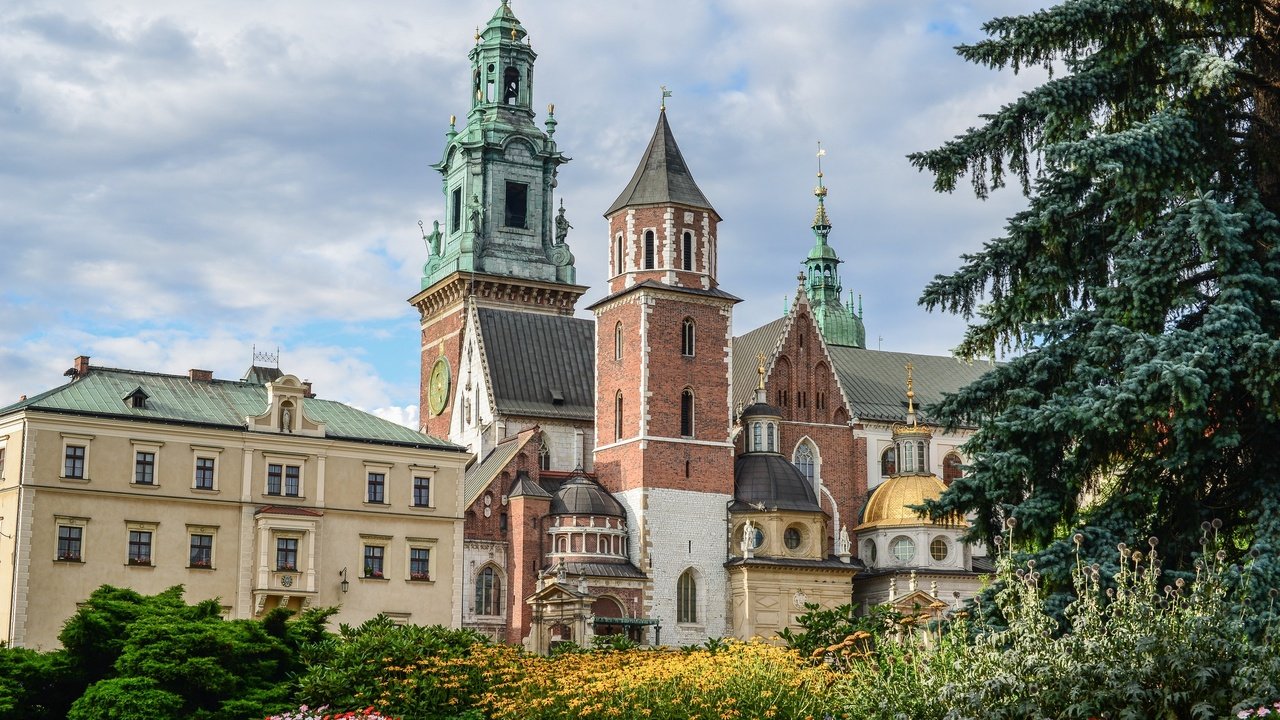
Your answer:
<point x="581" y="496"/>
<point x="769" y="479"/>
<point x="760" y="409"/>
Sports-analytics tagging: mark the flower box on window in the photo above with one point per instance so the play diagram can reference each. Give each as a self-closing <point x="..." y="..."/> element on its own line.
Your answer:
<point x="69" y="557"/>
<point x="201" y="564"/>
<point x="371" y="573"/>
<point x="419" y="576"/>
<point x="140" y="561"/>
<point x="286" y="568"/>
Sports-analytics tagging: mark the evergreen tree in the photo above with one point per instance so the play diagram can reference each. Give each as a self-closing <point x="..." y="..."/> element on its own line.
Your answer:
<point x="1139" y="292"/>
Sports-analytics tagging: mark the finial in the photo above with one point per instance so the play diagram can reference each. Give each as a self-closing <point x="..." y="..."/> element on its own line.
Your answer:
<point x="911" y="397"/>
<point x="477" y="33"/>
<point x="453" y="120"/>
<point x="800" y="278"/>
<point x="820" y="191"/>
<point x="760" y="369"/>
<point x="423" y="228"/>
<point x="551" y="108"/>
<point x="513" y="34"/>
<point x="665" y="94"/>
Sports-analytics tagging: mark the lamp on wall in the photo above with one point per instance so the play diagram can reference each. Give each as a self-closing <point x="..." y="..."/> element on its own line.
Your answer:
<point x="345" y="584"/>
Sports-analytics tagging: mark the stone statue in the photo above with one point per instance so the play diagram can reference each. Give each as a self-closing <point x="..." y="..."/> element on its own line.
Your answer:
<point x="582" y="584"/>
<point x="843" y="546"/>
<point x="562" y="574"/>
<point x="286" y="420"/>
<point x="477" y="227"/>
<point x="433" y="240"/>
<point x="748" y="538"/>
<point x="562" y="225"/>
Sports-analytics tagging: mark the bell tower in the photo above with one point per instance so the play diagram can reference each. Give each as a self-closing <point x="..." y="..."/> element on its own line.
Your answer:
<point x="839" y="323"/>
<point x="501" y="242"/>
<point x="663" y="389"/>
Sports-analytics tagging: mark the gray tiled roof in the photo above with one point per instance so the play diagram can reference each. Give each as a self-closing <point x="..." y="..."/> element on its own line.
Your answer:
<point x="651" y="284"/>
<point x="662" y="177"/>
<point x="533" y="357"/>
<point x="600" y="569"/>
<point x="875" y="381"/>
<point x="478" y="476"/>
<point x="220" y="403"/>
<point x="831" y="563"/>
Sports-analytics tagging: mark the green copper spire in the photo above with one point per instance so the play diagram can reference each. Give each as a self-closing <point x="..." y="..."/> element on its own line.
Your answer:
<point x="500" y="170"/>
<point x="839" y="323"/>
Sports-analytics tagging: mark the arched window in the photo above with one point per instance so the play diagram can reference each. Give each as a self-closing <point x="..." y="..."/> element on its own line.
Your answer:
<point x="617" y="416"/>
<point x="544" y="453"/>
<point x="648" y="250"/>
<point x="757" y="437"/>
<point x="687" y="597"/>
<point x="617" y="341"/>
<point x="488" y="592"/>
<point x="618" y="269"/>
<point x="686" y="413"/>
<point x="951" y="468"/>
<point x="803" y="460"/>
<point x="510" y="86"/>
<point x="888" y="462"/>
<point x="686" y="337"/>
<point x="688" y="251"/>
<point x="922" y="459"/>
<point x="769" y="432"/>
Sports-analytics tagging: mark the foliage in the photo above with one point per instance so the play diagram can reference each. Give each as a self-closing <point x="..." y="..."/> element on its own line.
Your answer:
<point x="740" y="680"/>
<point x="406" y="670"/>
<point x="823" y="629"/>
<point x="126" y="698"/>
<point x="613" y="642"/>
<point x="1140" y="288"/>
<point x="35" y="685"/>
<point x="307" y="713"/>
<point x="1131" y="649"/>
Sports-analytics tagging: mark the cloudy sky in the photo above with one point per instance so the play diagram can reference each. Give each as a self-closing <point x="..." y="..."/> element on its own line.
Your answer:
<point x="182" y="181"/>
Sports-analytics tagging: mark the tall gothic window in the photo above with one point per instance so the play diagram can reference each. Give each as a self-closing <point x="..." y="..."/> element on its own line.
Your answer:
<point x="488" y="592"/>
<point x="617" y="341"/>
<point x="770" y="432"/>
<point x="648" y="250"/>
<point x="951" y="468"/>
<point x="544" y="452"/>
<point x="617" y="256"/>
<point x="757" y="437"/>
<point x="687" y="251"/>
<point x="803" y="460"/>
<point x="888" y="461"/>
<point x="617" y="416"/>
<point x="511" y="86"/>
<point x="686" y="337"/>
<point x="687" y="597"/>
<point x="686" y="413"/>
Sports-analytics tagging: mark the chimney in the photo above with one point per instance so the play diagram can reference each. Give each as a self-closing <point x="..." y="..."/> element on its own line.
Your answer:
<point x="82" y="364"/>
<point x="200" y="375"/>
<point x="306" y="389"/>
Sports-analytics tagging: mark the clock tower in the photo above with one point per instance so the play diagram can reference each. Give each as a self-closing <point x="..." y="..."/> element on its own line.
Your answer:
<point x="502" y="241"/>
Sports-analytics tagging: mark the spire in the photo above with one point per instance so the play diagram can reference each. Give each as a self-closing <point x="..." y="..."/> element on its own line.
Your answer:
<point x="911" y="398"/>
<point x="839" y="323"/>
<point x="662" y="177"/>
<point x="821" y="224"/>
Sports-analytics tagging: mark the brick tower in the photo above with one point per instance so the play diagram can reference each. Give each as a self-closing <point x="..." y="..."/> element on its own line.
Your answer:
<point x="501" y="243"/>
<point x="663" y="390"/>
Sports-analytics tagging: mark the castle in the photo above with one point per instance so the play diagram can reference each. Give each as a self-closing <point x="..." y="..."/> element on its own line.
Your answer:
<point x="645" y="472"/>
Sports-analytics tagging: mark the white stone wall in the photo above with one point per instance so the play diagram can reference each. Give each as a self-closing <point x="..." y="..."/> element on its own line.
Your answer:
<point x="679" y="529"/>
<point x="476" y="555"/>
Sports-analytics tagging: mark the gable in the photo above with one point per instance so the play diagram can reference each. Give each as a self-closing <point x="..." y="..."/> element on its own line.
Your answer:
<point x="540" y="366"/>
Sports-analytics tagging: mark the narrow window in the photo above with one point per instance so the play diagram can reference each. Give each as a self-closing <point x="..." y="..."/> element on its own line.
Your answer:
<point x="951" y="468"/>
<point x="687" y="598"/>
<point x="769" y="434"/>
<point x="686" y="337"/>
<point x="888" y="462"/>
<point x="422" y="492"/>
<point x="373" y="556"/>
<point x="144" y="468"/>
<point x="73" y="465"/>
<point x="618" y="268"/>
<point x="376" y="488"/>
<point x="419" y="564"/>
<point x="686" y="413"/>
<point x="757" y="437"/>
<point x="544" y="453"/>
<point x="510" y="86"/>
<point x="286" y="554"/>
<point x="687" y="254"/>
<point x="617" y="416"/>
<point x="488" y="83"/>
<point x="648" y="250"/>
<point x="922" y="462"/>
<point x="204" y="473"/>
<point x="687" y="466"/>
<point x="201" y="555"/>
<point x="488" y="592"/>
<point x="804" y="460"/>
<point x="291" y="480"/>
<point x="70" y="541"/>
<point x="517" y="205"/>
<point x="455" y="210"/>
<point x="139" y="547"/>
<point x="617" y="341"/>
<point x="274" y="475"/>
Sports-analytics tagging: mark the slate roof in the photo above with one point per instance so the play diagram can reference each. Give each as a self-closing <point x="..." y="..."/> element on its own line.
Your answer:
<point x="217" y="403"/>
<point x="712" y="292"/>
<point x="662" y="177"/>
<point x="768" y="479"/>
<point x="831" y="563"/>
<point x="600" y="569"/>
<point x="532" y="357"/>
<point x="479" y="475"/>
<point x="581" y="496"/>
<point x="874" y="380"/>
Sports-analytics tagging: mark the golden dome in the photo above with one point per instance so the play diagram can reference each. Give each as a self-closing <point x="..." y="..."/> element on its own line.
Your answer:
<point x="888" y="505"/>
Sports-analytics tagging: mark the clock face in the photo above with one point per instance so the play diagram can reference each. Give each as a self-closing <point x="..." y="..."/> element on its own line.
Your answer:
<point x="286" y="580"/>
<point x="438" y="392"/>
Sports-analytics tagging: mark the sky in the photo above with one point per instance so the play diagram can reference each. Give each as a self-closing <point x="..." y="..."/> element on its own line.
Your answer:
<point x="182" y="182"/>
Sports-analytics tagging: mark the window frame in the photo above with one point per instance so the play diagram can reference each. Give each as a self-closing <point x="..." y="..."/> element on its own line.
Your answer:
<point x="415" y="572"/>
<point x="617" y="416"/>
<point x="488" y="598"/>
<point x="898" y="542"/>
<point x="688" y="337"/>
<point x="144" y="466"/>
<point x="889" y="461"/>
<point x="80" y="525"/>
<point x="83" y="443"/>
<point x="650" y="259"/>
<point x="198" y="473"/>
<point x="375" y="487"/>
<point x="688" y="408"/>
<point x="687" y="597"/>
<point x="140" y="544"/>
<point x="521" y="190"/>
<point x="617" y="341"/>
<point x="287" y="553"/>
<point x="373" y="561"/>
<point x="686" y="262"/>
<point x="421" y="483"/>
<point x="205" y="562"/>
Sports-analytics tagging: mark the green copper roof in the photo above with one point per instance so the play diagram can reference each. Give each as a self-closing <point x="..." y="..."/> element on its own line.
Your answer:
<point x="225" y="403"/>
<point x="839" y="323"/>
<point x="662" y="177"/>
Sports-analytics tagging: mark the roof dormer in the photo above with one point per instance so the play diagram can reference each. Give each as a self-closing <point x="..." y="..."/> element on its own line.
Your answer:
<point x="285" y="409"/>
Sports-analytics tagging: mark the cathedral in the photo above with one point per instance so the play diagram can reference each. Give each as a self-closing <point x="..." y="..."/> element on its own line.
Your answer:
<point x="642" y="471"/>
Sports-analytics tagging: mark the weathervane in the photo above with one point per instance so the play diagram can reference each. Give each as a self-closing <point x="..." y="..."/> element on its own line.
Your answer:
<point x="665" y="94"/>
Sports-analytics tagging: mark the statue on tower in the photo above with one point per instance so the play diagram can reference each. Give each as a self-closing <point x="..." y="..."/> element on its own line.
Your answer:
<point x="562" y="225"/>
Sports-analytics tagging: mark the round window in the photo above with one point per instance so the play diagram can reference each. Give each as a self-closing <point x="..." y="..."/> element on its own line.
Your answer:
<point x="791" y="538"/>
<point x="758" y="540"/>
<point x="939" y="548"/>
<point x="869" y="551"/>
<point x="902" y="548"/>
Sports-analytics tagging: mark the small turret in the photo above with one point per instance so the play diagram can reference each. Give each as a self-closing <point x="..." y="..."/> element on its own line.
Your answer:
<point x="840" y="324"/>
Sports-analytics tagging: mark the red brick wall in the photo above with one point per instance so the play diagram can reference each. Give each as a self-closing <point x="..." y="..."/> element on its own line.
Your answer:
<point x="446" y="327"/>
<point x="655" y="218"/>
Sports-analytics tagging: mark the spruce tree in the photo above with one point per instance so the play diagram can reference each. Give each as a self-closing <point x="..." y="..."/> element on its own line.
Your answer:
<point x="1138" y="294"/>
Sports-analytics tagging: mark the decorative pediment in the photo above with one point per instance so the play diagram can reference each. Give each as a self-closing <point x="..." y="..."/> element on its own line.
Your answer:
<point x="285" y="411"/>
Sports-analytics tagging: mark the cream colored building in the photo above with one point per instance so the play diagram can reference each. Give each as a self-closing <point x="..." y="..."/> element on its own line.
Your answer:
<point x="251" y="491"/>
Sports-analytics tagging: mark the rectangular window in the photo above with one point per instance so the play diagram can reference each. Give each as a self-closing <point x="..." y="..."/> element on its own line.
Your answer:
<point x="292" y="473"/>
<point x="377" y="488"/>
<point x="70" y="539"/>
<point x="373" y="555"/>
<point x="455" y="210"/>
<point x="144" y="468"/>
<point x="73" y="464"/>
<point x="419" y="564"/>
<point x="286" y="554"/>
<point x="422" y="492"/>
<point x="274" y="475"/>
<point x="204" y="473"/>
<point x="139" y="547"/>
<point x="201" y="551"/>
<point x="517" y="205"/>
<point x="1" y="462"/>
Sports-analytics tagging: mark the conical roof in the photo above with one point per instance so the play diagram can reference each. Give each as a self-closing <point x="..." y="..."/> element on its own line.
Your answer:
<point x="662" y="177"/>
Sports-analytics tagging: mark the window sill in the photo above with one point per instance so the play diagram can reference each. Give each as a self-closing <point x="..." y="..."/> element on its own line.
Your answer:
<point x="149" y="486"/>
<point x="205" y="491"/>
<point x="64" y="478"/>
<point x="421" y="581"/>
<point x="423" y="507"/>
<point x="199" y="567"/>
<point x="269" y="496"/>
<point x="375" y="579"/>
<point x="70" y="561"/>
<point x="147" y="566"/>
<point x="370" y="503"/>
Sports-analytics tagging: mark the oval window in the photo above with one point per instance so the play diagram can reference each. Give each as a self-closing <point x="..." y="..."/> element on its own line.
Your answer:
<point x="792" y="538"/>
